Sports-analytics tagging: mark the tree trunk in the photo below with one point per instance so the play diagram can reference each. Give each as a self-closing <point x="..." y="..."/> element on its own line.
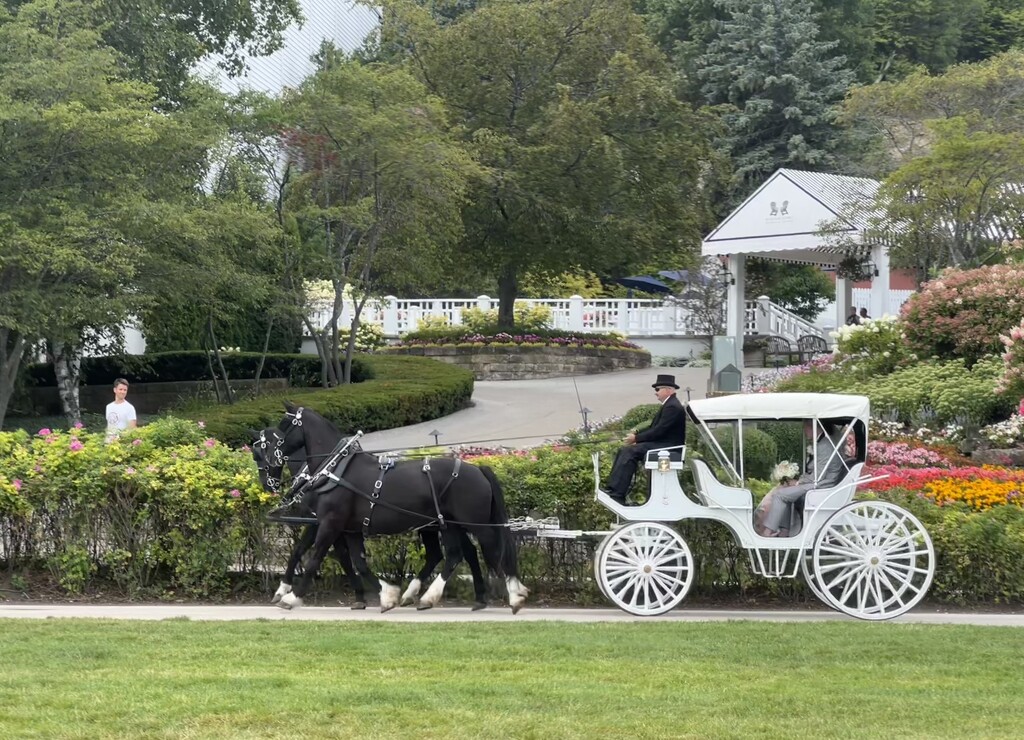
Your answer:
<point x="508" y="287"/>
<point x="321" y="351"/>
<point x="67" y="366"/>
<point x="263" y="357"/>
<point x="337" y="368"/>
<point x="350" y="348"/>
<point x="12" y="349"/>
<point x="228" y="394"/>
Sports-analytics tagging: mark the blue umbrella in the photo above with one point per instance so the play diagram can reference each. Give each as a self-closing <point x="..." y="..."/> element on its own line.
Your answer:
<point x="685" y="276"/>
<point x="645" y="283"/>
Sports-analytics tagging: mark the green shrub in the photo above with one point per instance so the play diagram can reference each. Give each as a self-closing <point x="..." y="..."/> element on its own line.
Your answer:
<point x="405" y="390"/>
<point x="760" y="453"/>
<point x="788" y="436"/>
<point x="871" y="348"/>
<point x="301" y="370"/>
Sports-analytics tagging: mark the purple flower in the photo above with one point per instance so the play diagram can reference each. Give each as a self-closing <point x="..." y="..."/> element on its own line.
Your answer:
<point x="235" y="493"/>
<point x="44" y="432"/>
<point x="16" y="483"/>
<point x="76" y="445"/>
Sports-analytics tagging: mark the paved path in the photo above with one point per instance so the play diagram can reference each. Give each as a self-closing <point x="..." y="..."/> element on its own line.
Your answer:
<point x="525" y="413"/>
<point x="463" y="614"/>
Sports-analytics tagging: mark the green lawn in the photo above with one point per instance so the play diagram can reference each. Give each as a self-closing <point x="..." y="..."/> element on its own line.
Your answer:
<point x="181" y="679"/>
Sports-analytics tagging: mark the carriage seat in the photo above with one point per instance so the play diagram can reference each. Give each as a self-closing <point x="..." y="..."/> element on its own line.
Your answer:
<point x="712" y="492"/>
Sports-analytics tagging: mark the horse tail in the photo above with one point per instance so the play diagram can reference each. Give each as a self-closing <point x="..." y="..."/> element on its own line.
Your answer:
<point x="508" y="564"/>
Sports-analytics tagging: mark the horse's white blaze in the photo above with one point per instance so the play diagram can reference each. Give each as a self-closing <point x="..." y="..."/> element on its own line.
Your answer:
<point x="291" y="601"/>
<point x="283" y="589"/>
<point x="516" y="593"/>
<point x="388" y="596"/>
<point x="410" y="593"/>
<point x="433" y="595"/>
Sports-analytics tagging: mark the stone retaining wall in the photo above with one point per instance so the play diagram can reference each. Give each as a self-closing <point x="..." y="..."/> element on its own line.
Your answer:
<point x="524" y="363"/>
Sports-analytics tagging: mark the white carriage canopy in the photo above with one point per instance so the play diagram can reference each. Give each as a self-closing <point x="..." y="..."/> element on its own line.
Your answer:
<point x="781" y="406"/>
<point x="782" y="220"/>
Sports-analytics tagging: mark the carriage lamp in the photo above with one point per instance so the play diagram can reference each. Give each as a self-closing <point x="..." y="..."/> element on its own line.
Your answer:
<point x="663" y="462"/>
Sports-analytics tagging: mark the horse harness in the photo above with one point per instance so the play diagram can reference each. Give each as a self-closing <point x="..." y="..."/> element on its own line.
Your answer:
<point x="330" y="475"/>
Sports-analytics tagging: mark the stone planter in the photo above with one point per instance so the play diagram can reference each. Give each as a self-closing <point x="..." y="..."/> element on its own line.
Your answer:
<point x="1013" y="458"/>
<point x="523" y="362"/>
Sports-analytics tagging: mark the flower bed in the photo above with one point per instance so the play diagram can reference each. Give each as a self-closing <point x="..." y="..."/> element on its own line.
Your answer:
<point x="979" y="487"/>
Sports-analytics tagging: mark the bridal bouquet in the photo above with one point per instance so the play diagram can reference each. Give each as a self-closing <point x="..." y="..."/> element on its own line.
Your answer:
<point x="785" y="470"/>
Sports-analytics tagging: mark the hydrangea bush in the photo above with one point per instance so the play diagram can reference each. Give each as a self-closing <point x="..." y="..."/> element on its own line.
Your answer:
<point x="962" y="312"/>
<point x="873" y="347"/>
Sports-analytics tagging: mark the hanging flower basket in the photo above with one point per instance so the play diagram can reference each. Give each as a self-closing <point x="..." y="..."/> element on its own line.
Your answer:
<point x="853" y="267"/>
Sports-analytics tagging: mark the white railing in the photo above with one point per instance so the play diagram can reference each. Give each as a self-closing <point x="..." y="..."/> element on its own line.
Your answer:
<point x="630" y="316"/>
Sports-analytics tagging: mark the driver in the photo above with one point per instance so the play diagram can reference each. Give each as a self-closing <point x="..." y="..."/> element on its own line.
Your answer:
<point x="667" y="429"/>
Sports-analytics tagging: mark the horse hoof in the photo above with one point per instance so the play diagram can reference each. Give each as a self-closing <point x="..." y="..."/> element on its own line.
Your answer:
<point x="386" y="608"/>
<point x="407" y="601"/>
<point x="358" y="605"/>
<point x="276" y="599"/>
<point x="516" y="608"/>
<point x="480" y="605"/>
<point x="422" y="606"/>
<point x="283" y="605"/>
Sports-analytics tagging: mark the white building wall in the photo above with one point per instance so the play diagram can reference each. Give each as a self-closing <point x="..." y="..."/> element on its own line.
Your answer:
<point x="341" y="21"/>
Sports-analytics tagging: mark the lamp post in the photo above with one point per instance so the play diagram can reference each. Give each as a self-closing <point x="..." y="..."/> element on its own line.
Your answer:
<point x="435" y="434"/>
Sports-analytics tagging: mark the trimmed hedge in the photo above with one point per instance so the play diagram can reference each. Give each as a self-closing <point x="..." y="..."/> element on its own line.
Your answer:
<point x="404" y="390"/>
<point x="301" y="370"/>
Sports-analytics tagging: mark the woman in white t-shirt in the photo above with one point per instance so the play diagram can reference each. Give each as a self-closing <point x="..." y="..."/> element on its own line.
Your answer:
<point x="120" y="413"/>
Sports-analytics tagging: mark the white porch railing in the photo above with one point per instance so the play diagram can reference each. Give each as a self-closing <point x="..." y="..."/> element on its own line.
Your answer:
<point x="630" y="316"/>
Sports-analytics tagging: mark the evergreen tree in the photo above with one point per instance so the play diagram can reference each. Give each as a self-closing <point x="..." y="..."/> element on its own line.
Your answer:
<point x="777" y="85"/>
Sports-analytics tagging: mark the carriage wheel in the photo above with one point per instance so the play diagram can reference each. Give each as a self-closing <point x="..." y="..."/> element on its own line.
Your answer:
<point x="645" y="568"/>
<point x="873" y="560"/>
<point x="598" y="551"/>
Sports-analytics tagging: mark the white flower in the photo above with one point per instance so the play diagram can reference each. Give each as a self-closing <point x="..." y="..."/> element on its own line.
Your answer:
<point x="785" y="470"/>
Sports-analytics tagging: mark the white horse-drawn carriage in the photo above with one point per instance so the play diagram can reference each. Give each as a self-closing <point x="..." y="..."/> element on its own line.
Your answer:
<point x="869" y="559"/>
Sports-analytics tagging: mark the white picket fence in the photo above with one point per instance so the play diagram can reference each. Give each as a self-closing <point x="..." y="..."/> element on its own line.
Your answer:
<point x="633" y="317"/>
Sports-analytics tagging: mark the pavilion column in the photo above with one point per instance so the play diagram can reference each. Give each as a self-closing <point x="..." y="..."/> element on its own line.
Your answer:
<point x="844" y="299"/>
<point x="879" y="283"/>
<point x="736" y="306"/>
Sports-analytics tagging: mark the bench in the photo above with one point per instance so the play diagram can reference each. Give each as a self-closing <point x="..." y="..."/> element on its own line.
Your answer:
<point x="810" y="345"/>
<point x="778" y="348"/>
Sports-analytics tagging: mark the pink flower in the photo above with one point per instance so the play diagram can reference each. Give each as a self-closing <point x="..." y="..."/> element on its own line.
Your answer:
<point x="129" y="471"/>
<point x="78" y="425"/>
<point x="247" y="448"/>
<point x="1020" y="409"/>
<point x="76" y="445"/>
<point x="136" y="442"/>
<point x="201" y="424"/>
<point x="16" y="483"/>
<point x="211" y="442"/>
<point x="235" y="493"/>
<point x="44" y="432"/>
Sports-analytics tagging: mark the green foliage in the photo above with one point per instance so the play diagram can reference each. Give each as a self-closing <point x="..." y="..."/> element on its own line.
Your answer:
<point x="527" y="318"/>
<point x="803" y="289"/>
<point x="760" y="451"/>
<point x="161" y="508"/>
<point x="402" y="391"/>
<point x="638" y="417"/>
<point x="368" y="338"/>
<point x="789" y="439"/>
<point x="949" y="389"/>
<point x="301" y="370"/>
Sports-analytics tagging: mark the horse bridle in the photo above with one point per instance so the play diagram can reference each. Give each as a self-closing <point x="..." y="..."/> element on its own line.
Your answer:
<point x="276" y="459"/>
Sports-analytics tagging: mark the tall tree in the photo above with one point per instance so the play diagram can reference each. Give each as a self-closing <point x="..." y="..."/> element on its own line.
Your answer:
<point x="590" y="157"/>
<point x="778" y="87"/>
<point x="381" y="185"/>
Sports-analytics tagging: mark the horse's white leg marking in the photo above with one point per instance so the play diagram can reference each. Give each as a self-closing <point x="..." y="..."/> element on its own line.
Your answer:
<point x="283" y="589"/>
<point x="516" y="594"/>
<point x="289" y="601"/>
<point x="409" y="597"/>
<point x="388" y="596"/>
<point x="433" y="595"/>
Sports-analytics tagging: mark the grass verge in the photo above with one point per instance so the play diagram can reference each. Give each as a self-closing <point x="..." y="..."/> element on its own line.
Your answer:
<point x="181" y="679"/>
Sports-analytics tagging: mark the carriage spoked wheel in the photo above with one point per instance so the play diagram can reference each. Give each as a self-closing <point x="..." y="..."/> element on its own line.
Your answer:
<point x="807" y="568"/>
<point x="645" y="568"/>
<point x="873" y="560"/>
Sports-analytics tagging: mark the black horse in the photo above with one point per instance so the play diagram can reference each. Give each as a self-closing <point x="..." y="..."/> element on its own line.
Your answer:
<point x="429" y="536"/>
<point x="355" y="494"/>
